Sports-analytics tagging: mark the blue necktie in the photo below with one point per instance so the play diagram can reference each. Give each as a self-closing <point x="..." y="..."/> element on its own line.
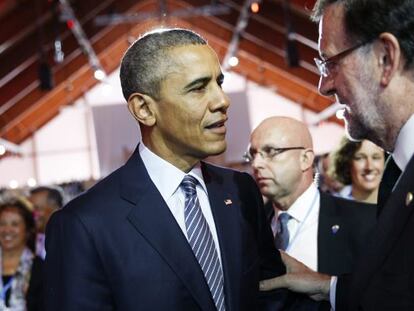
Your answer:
<point x="201" y="241"/>
<point x="282" y="235"/>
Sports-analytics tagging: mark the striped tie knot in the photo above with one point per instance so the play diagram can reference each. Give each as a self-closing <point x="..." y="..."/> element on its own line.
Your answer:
<point x="282" y="236"/>
<point x="189" y="184"/>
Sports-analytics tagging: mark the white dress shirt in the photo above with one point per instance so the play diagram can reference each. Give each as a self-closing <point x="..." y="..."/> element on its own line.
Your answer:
<point x="403" y="152"/>
<point x="303" y="227"/>
<point x="404" y="146"/>
<point x="167" y="179"/>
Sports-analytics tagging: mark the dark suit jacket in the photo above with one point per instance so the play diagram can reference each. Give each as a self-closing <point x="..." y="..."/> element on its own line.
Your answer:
<point x="384" y="276"/>
<point x="337" y="252"/>
<point x="118" y="247"/>
<point x="35" y="292"/>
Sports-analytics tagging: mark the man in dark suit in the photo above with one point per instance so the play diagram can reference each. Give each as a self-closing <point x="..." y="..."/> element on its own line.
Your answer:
<point x="368" y="52"/>
<point x="165" y="231"/>
<point x="324" y="232"/>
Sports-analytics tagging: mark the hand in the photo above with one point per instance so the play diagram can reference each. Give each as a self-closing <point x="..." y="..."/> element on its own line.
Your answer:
<point x="299" y="278"/>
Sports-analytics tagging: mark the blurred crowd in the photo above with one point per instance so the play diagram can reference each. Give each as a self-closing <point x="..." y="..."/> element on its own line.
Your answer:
<point x="24" y="214"/>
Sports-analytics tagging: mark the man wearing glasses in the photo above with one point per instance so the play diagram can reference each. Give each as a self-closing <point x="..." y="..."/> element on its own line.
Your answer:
<point x="322" y="231"/>
<point x="368" y="52"/>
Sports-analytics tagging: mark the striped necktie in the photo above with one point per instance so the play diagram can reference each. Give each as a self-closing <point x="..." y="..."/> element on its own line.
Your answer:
<point x="201" y="241"/>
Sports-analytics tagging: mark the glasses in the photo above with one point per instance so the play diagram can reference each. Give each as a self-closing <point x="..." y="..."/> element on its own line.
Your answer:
<point x="267" y="153"/>
<point x="326" y="66"/>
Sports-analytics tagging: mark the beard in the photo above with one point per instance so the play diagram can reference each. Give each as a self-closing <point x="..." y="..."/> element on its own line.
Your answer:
<point x="365" y="120"/>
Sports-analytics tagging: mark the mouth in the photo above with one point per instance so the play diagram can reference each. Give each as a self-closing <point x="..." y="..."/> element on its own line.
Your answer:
<point x="7" y="238"/>
<point x="370" y="177"/>
<point x="261" y="180"/>
<point x="218" y="126"/>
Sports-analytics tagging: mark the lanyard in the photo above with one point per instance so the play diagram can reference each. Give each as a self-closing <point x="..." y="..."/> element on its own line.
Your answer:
<point x="315" y="197"/>
<point x="6" y="287"/>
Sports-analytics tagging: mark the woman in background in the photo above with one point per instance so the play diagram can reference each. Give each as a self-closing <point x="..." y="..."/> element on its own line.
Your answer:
<point x="360" y="166"/>
<point x="21" y="282"/>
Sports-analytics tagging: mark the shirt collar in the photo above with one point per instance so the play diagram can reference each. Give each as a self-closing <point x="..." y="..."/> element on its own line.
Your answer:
<point x="301" y="206"/>
<point x="404" y="147"/>
<point x="166" y="177"/>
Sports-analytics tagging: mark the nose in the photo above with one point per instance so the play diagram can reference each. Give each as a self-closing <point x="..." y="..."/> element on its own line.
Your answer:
<point x="220" y="101"/>
<point x="5" y="228"/>
<point x="369" y="164"/>
<point x="326" y="85"/>
<point x="257" y="162"/>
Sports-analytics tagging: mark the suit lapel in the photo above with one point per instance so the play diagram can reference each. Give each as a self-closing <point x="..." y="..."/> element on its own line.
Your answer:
<point x="225" y="206"/>
<point x="152" y="219"/>
<point x="391" y="224"/>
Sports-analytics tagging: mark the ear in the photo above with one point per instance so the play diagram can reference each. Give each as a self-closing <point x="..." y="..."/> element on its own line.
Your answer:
<point x="306" y="159"/>
<point x="389" y="57"/>
<point x="142" y="107"/>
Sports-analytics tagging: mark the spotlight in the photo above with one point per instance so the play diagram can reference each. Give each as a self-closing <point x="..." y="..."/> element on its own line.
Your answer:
<point x="45" y="76"/>
<point x="292" y="54"/>
<point x="254" y="7"/>
<point x="233" y="61"/>
<point x="2" y="150"/>
<point x="99" y="74"/>
<point x="31" y="182"/>
<point x="58" y="55"/>
<point x="13" y="184"/>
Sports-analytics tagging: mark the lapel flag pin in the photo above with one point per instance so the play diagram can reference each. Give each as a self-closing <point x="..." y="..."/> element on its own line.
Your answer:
<point x="228" y="202"/>
<point x="335" y="229"/>
<point x="408" y="198"/>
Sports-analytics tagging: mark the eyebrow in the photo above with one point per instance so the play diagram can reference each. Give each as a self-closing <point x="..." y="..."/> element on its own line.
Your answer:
<point x="267" y="146"/>
<point x="199" y="81"/>
<point x="203" y="81"/>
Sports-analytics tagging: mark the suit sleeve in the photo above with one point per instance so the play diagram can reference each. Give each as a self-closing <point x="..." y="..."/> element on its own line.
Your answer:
<point x="272" y="264"/>
<point x="75" y="279"/>
<point x="342" y="292"/>
<point x="35" y="295"/>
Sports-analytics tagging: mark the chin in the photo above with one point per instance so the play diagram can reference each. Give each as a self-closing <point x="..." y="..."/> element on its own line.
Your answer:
<point x="354" y="133"/>
<point x="216" y="148"/>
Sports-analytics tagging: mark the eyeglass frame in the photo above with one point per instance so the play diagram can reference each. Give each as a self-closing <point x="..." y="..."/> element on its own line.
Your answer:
<point x="248" y="157"/>
<point x="322" y="65"/>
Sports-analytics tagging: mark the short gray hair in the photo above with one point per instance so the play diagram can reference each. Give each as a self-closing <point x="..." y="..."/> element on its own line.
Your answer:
<point x="144" y="64"/>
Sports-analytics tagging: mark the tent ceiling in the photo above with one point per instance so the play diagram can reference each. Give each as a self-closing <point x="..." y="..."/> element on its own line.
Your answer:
<point x="27" y="30"/>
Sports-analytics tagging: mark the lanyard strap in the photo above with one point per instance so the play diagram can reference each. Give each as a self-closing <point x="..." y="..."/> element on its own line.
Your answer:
<point x="6" y="287"/>
<point x="315" y="197"/>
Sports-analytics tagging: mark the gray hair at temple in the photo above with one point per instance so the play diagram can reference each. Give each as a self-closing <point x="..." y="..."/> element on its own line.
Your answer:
<point x="146" y="62"/>
<point x="365" y="20"/>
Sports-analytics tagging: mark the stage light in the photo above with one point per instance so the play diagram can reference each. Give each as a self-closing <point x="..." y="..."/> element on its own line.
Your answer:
<point x="2" y="150"/>
<point x="13" y="184"/>
<point x="292" y="54"/>
<point x="45" y="76"/>
<point x="31" y="182"/>
<point x="254" y="7"/>
<point x="99" y="74"/>
<point x="233" y="61"/>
